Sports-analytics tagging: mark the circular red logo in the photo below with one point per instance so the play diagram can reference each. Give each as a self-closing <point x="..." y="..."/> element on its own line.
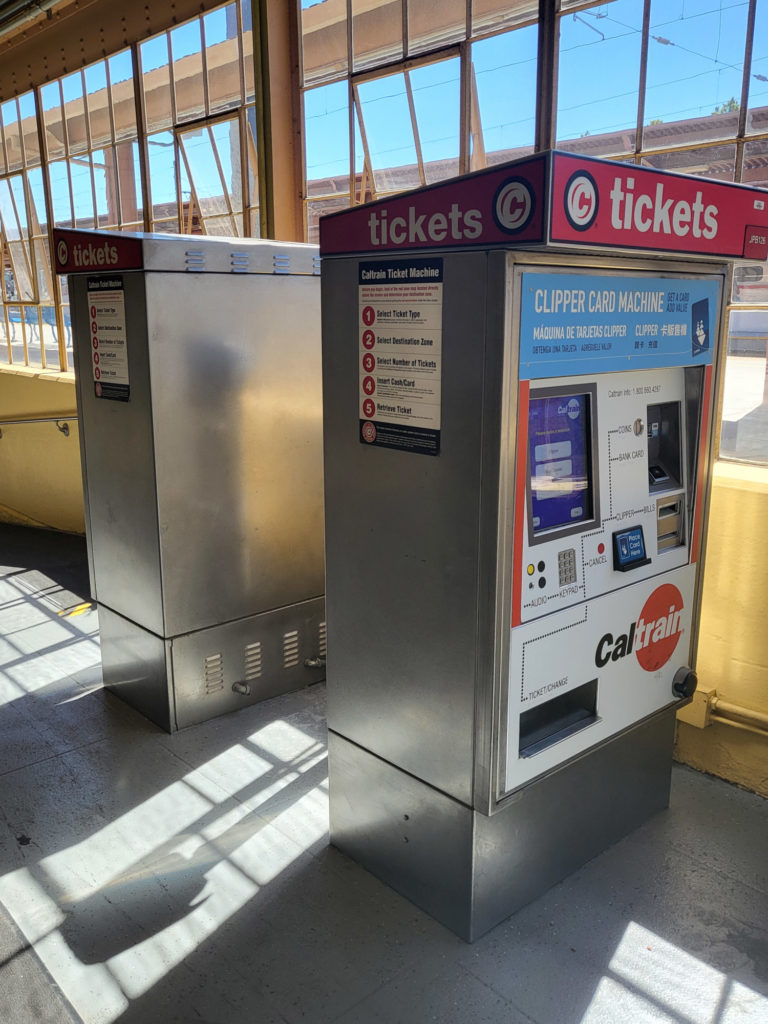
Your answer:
<point x="369" y="432"/>
<point x="369" y="315"/>
<point x="659" y="627"/>
<point x="369" y="385"/>
<point x="369" y="407"/>
<point x="368" y="362"/>
<point x="369" y="339"/>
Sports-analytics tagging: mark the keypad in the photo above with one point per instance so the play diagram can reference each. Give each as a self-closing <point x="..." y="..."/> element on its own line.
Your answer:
<point x="566" y="566"/>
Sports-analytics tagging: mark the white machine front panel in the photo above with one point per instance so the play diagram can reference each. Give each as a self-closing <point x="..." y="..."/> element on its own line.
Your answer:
<point x="594" y="670"/>
<point x="563" y="571"/>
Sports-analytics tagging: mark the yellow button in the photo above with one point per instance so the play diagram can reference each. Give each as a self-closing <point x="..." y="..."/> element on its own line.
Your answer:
<point x="530" y="570"/>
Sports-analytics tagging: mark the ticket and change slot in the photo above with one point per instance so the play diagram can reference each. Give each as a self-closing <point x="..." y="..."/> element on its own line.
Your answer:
<point x="562" y="461"/>
<point x="558" y="718"/>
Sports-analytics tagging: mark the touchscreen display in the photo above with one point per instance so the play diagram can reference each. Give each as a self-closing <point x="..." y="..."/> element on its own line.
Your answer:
<point x="560" y="451"/>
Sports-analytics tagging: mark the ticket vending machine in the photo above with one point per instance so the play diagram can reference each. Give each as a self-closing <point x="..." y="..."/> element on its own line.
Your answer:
<point x="519" y="381"/>
<point x="199" y="404"/>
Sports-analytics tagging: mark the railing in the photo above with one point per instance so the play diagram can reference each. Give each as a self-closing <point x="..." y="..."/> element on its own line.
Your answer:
<point x="62" y="422"/>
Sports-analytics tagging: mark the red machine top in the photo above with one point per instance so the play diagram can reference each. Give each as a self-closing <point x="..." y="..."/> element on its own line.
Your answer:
<point x="562" y="200"/>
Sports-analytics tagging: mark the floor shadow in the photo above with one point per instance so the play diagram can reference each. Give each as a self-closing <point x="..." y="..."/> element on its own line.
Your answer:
<point x="47" y="562"/>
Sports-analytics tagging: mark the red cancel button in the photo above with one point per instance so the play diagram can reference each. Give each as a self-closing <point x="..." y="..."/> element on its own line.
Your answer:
<point x="756" y="242"/>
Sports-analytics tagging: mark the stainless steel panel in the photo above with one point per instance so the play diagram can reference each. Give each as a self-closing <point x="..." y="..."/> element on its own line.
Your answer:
<point x="411" y="836"/>
<point x="469" y="870"/>
<point x="237" y="420"/>
<point x="227" y="667"/>
<point x="117" y="451"/>
<point x="402" y="580"/>
<point x="136" y="668"/>
<point x="552" y="827"/>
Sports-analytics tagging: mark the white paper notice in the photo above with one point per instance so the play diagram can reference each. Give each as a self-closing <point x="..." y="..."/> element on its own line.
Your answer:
<point x="109" y="346"/>
<point x="400" y="323"/>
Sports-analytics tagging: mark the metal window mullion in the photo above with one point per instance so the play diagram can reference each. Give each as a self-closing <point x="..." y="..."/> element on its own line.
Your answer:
<point x="414" y="127"/>
<point x="643" y="78"/>
<point x="749" y="43"/>
<point x="204" y="60"/>
<point x="141" y="131"/>
<point x="364" y="138"/>
<point x="54" y="278"/>
<point x="171" y="78"/>
<point x="241" y="55"/>
<point x="64" y="125"/>
<point x="86" y="113"/>
<point x="465" y="108"/>
<point x="245" y="189"/>
<point x="113" y="137"/>
<point x="406" y="42"/>
<point x="546" y="76"/>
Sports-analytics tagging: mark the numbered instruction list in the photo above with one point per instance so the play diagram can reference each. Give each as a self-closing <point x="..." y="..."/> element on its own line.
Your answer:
<point x="109" y="350"/>
<point x="400" y="323"/>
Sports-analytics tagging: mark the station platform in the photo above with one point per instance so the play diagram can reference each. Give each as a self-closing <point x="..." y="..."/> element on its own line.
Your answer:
<point x="151" y="878"/>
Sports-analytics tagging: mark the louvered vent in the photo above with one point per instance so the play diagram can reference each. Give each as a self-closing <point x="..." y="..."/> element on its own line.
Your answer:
<point x="322" y="639"/>
<point x="213" y="671"/>
<point x="291" y="648"/>
<point x="252" y="660"/>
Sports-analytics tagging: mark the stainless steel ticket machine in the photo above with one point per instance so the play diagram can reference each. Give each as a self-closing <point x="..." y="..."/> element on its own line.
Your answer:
<point x="519" y="374"/>
<point x="199" y="400"/>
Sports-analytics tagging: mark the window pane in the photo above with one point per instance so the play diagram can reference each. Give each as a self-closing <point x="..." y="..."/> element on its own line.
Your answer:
<point x="588" y="104"/>
<point x="14" y="155"/>
<point x="492" y="15"/>
<point x="74" y="112"/>
<point x="750" y="283"/>
<point x="377" y="32"/>
<point x="254" y="221"/>
<point x="156" y="83"/>
<point x="44" y="286"/>
<point x="187" y="54"/>
<point x="38" y="215"/>
<point x="324" y="40"/>
<point x="28" y="126"/>
<point x="32" y="323"/>
<point x="58" y="175"/>
<point x="435" y="23"/>
<point x="695" y="66"/>
<point x="98" y="104"/>
<point x="318" y="208"/>
<point x="53" y="121"/>
<point x="126" y="156"/>
<point x="436" y="89"/>
<point x="222" y="54"/>
<point x="387" y="126"/>
<point x="123" y="100"/>
<point x="249" y="72"/>
<point x="326" y="134"/>
<point x="504" y="66"/>
<point x="16" y="333"/>
<point x="744" y="433"/>
<point x="82" y="192"/>
<point x="161" y="152"/>
<point x="754" y="169"/>
<point x="212" y="158"/>
<point x="50" y="335"/>
<point x="709" y="162"/>
<point x="757" y="119"/>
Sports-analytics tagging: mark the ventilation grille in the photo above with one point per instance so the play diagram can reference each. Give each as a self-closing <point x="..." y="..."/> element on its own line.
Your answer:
<point x="195" y="259"/>
<point x="281" y="263"/>
<point x="252" y="661"/>
<point x="239" y="262"/>
<point x="213" y="671"/>
<point x="322" y="640"/>
<point x="291" y="649"/>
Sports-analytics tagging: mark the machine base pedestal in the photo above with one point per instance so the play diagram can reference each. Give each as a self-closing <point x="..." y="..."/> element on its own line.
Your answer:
<point x="469" y="870"/>
<point x="181" y="681"/>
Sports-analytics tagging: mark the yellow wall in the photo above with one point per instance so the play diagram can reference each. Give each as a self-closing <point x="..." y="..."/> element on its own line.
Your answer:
<point x="733" y="641"/>
<point x="40" y="477"/>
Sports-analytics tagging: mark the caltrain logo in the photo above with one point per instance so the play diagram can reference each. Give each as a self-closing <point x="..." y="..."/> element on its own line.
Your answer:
<point x="513" y="205"/>
<point x="62" y="252"/>
<point x="581" y="200"/>
<point x="653" y="638"/>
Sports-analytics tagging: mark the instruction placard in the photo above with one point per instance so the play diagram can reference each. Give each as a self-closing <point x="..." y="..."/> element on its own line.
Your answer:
<point x="109" y="346"/>
<point x="400" y="322"/>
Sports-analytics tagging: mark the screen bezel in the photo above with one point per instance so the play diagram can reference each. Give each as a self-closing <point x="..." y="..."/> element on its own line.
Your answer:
<point x="593" y="522"/>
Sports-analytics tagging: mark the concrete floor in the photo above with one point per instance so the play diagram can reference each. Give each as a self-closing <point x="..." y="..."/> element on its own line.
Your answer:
<point x="153" y="878"/>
